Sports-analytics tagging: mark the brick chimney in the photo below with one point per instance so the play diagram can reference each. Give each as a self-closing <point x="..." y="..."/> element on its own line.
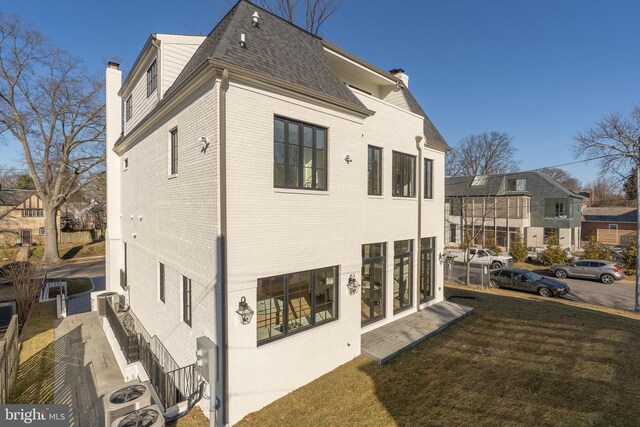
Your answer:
<point x="399" y="73"/>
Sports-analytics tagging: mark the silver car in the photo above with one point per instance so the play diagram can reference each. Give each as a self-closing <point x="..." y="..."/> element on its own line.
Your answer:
<point x="605" y="271"/>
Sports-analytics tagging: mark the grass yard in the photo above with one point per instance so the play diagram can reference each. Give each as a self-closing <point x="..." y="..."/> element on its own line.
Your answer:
<point x="518" y="360"/>
<point x="70" y="251"/>
<point x="195" y="418"/>
<point x="34" y="383"/>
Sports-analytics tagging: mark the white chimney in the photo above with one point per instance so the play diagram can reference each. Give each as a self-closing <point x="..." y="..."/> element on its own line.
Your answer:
<point x="113" y="111"/>
<point x="399" y="73"/>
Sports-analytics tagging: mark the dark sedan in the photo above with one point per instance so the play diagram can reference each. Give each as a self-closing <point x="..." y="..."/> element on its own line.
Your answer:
<point x="525" y="280"/>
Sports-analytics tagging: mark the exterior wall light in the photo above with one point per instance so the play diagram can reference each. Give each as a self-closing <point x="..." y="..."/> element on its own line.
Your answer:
<point x="255" y="19"/>
<point x="244" y="311"/>
<point x="353" y="284"/>
<point x="243" y="40"/>
<point x="348" y="159"/>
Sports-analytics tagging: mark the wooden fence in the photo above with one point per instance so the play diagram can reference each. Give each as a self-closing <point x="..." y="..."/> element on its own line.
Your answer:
<point x="615" y="237"/>
<point x="76" y="237"/>
<point x="9" y="352"/>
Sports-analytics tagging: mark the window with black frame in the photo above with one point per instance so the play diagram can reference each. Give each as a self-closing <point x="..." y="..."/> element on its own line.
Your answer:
<point x="152" y="78"/>
<point x="404" y="175"/>
<point x="374" y="171"/>
<point x="299" y="155"/>
<point x="372" y="296"/>
<point x="186" y="300"/>
<point x="427" y="268"/>
<point x="161" y="281"/>
<point x="402" y="275"/>
<point x="290" y="303"/>
<point x="428" y="179"/>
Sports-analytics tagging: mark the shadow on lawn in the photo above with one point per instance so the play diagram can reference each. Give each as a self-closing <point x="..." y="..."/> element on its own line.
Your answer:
<point x="71" y="253"/>
<point x="517" y="361"/>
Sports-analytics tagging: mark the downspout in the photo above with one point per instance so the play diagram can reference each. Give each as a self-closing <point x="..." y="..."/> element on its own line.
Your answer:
<point x="420" y="191"/>
<point x="223" y="245"/>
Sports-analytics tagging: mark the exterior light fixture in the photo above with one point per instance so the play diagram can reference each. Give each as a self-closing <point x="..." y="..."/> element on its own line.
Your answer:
<point x="255" y="19"/>
<point x="243" y="40"/>
<point x="348" y="159"/>
<point x="441" y="258"/>
<point x="244" y="311"/>
<point x="353" y="284"/>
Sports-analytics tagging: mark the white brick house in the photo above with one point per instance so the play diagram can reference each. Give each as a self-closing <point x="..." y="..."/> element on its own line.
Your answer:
<point x="266" y="170"/>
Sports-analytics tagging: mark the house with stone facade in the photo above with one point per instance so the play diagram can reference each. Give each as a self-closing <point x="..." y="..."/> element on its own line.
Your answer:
<point x="21" y="218"/>
<point x="273" y="193"/>
<point x="497" y="207"/>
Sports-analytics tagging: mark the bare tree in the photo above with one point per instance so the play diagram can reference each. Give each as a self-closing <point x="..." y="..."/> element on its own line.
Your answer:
<point x="605" y="191"/>
<point x="616" y="140"/>
<point x="563" y="178"/>
<point x="314" y="12"/>
<point x="482" y="154"/>
<point x="25" y="285"/>
<point x="53" y="109"/>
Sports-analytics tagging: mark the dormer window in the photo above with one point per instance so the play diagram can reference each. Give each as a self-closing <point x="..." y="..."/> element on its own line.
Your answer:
<point x="479" y="181"/>
<point x="152" y="81"/>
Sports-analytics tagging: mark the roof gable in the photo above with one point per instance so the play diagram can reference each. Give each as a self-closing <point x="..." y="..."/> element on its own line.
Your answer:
<point x="14" y="197"/>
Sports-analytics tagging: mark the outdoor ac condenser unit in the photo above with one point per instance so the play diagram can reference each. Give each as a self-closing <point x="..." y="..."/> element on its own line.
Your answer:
<point x="104" y="299"/>
<point x="124" y="400"/>
<point x="151" y="416"/>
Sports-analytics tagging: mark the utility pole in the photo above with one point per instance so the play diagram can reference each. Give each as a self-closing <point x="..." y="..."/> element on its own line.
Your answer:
<point x="637" y="308"/>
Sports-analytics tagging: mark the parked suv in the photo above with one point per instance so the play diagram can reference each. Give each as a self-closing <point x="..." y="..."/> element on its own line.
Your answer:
<point x="605" y="271"/>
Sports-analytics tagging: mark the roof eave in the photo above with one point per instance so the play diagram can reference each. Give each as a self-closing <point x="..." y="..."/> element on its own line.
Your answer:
<point x="146" y="49"/>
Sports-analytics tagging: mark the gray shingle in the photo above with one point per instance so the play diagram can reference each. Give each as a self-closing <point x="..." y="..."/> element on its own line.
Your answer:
<point x="14" y="197"/>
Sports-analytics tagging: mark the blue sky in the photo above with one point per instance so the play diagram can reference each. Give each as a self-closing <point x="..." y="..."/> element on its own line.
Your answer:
<point x="538" y="70"/>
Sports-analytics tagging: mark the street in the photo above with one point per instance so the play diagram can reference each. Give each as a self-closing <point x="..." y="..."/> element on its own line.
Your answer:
<point x="91" y="268"/>
<point x="620" y="294"/>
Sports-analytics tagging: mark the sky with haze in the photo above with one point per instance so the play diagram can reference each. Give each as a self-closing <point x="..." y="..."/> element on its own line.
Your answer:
<point x="538" y="70"/>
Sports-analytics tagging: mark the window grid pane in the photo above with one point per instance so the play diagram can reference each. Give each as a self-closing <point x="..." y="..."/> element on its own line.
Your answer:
<point x="403" y="175"/>
<point x="186" y="300"/>
<point x="428" y="179"/>
<point x="174" y="152"/>
<point x="300" y="159"/>
<point x="374" y="171"/>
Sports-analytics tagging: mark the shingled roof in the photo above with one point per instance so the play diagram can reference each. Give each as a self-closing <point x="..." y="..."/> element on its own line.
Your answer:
<point x="280" y="49"/>
<point x="276" y="48"/>
<point x="14" y="197"/>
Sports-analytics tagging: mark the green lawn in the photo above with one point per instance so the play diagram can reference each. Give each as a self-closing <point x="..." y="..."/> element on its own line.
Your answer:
<point x="70" y="251"/>
<point x="34" y="383"/>
<point x="518" y="360"/>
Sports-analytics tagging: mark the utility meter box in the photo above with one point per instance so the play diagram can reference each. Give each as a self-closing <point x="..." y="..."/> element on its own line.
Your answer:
<point x="207" y="359"/>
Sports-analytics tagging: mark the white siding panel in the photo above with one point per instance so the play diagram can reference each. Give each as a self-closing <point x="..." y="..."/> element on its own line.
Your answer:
<point x="174" y="57"/>
<point x="142" y="103"/>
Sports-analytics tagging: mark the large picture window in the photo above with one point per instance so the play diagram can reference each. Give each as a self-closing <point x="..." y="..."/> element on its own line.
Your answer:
<point x="293" y="302"/>
<point x="374" y="171"/>
<point x="404" y="175"/>
<point x="428" y="179"/>
<point x="299" y="155"/>
<point x="402" y="275"/>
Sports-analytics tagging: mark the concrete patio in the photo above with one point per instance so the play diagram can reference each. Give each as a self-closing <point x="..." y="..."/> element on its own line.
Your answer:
<point x="85" y="368"/>
<point x="386" y="342"/>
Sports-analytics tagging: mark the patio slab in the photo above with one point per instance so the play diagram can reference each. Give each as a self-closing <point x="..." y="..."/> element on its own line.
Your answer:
<point x="386" y="342"/>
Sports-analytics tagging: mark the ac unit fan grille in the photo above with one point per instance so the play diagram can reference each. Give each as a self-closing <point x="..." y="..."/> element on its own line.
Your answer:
<point x="127" y="394"/>
<point x="141" y="418"/>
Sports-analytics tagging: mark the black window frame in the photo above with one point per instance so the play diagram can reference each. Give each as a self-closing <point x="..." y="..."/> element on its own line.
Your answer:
<point x="173" y="151"/>
<point x="400" y="163"/>
<point x="427" y="255"/>
<point x="128" y="104"/>
<point x="162" y="278"/>
<point x="372" y="179"/>
<point x="286" y="330"/>
<point x="400" y="256"/>
<point x="299" y="145"/>
<point x="371" y="261"/>
<point x="152" y="77"/>
<point x="428" y="179"/>
<point x="187" y="314"/>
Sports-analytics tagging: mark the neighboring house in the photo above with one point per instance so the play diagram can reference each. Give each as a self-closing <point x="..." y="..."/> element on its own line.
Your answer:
<point x="499" y="206"/>
<point x="264" y="164"/>
<point x="91" y="215"/>
<point x="21" y="218"/>
<point x="613" y="225"/>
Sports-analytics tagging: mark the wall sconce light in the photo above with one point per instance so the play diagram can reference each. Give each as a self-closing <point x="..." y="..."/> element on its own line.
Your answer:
<point x="352" y="284"/>
<point x="348" y="159"/>
<point x="255" y="19"/>
<point x="244" y="311"/>
<point x="243" y="40"/>
<point x="441" y="258"/>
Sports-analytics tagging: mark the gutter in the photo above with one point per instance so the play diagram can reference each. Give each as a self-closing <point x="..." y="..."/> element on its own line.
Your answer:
<point x="224" y="85"/>
<point x="419" y="187"/>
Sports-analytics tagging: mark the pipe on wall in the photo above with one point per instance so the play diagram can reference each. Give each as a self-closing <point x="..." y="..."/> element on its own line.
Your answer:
<point x="419" y="190"/>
